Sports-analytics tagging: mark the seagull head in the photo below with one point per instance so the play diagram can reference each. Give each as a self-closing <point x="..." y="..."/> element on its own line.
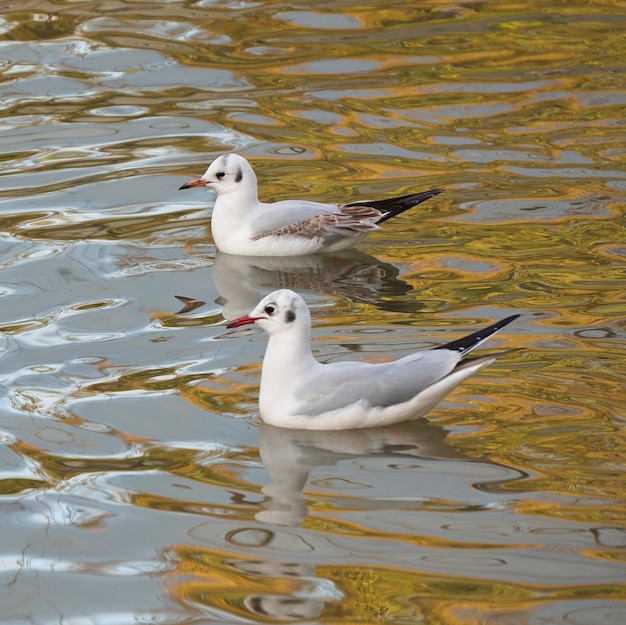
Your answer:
<point x="229" y="173"/>
<point x="277" y="312"/>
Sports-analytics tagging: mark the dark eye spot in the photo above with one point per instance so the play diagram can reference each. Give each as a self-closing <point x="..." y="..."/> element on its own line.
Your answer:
<point x="269" y="309"/>
<point x="290" y="316"/>
<point x="220" y="174"/>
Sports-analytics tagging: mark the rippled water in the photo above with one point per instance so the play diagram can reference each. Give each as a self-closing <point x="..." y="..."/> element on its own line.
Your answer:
<point x="137" y="484"/>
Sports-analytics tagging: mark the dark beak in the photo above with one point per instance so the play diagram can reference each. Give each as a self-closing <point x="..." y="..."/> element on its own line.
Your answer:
<point x="193" y="183"/>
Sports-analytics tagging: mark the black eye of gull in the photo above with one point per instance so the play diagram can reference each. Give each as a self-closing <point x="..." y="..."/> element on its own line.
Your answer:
<point x="269" y="309"/>
<point x="220" y="174"/>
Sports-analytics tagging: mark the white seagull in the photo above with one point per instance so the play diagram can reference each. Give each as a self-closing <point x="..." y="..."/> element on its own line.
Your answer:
<point x="241" y="224"/>
<point x="297" y="391"/>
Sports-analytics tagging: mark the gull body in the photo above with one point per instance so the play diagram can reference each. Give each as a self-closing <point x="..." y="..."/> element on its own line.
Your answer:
<point x="297" y="391"/>
<point x="241" y="224"/>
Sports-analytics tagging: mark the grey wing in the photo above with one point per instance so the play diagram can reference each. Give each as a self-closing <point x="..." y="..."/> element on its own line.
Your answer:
<point x="314" y="220"/>
<point x="343" y="383"/>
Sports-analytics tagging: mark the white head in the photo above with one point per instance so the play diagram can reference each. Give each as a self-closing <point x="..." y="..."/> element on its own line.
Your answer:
<point x="280" y="311"/>
<point x="229" y="173"/>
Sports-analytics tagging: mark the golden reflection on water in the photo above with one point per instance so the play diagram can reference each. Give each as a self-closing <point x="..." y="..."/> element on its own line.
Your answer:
<point x="279" y="590"/>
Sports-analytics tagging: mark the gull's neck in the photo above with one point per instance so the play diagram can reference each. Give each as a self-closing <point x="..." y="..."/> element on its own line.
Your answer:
<point x="287" y="365"/>
<point x="289" y="352"/>
<point x="230" y="218"/>
<point x="243" y="197"/>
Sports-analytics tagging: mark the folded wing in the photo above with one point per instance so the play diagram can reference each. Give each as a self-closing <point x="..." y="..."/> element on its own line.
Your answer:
<point x="343" y="383"/>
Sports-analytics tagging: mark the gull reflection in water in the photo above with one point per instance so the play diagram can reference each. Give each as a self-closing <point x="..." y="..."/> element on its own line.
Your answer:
<point x="290" y="455"/>
<point x="243" y="280"/>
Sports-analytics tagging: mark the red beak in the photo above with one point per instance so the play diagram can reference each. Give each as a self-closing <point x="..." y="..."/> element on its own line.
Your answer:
<point x="193" y="183"/>
<point x="241" y="321"/>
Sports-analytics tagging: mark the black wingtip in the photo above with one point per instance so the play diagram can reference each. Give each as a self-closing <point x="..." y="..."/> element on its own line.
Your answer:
<point x="468" y="343"/>
<point x="396" y="206"/>
<point x="393" y="206"/>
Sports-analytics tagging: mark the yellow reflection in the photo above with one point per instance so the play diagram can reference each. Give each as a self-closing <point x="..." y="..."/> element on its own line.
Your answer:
<point x="278" y="590"/>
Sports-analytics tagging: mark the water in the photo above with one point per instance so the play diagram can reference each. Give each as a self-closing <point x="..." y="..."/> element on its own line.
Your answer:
<point x="137" y="484"/>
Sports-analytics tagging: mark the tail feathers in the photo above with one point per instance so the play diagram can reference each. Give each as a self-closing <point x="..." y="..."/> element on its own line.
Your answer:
<point x="470" y="342"/>
<point x="396" y="205"/>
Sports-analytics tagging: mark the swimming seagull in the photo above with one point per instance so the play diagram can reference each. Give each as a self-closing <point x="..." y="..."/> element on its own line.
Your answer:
<point x="297" y="391"/>
<point x="241" y="224"/>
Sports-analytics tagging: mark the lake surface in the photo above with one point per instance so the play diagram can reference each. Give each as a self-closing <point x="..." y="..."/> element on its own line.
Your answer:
<point x="137" y="483"/>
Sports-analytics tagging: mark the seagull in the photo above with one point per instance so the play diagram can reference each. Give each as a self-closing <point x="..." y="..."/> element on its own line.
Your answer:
<point x="297" y="391"/>
<point x="243" y="225"/>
